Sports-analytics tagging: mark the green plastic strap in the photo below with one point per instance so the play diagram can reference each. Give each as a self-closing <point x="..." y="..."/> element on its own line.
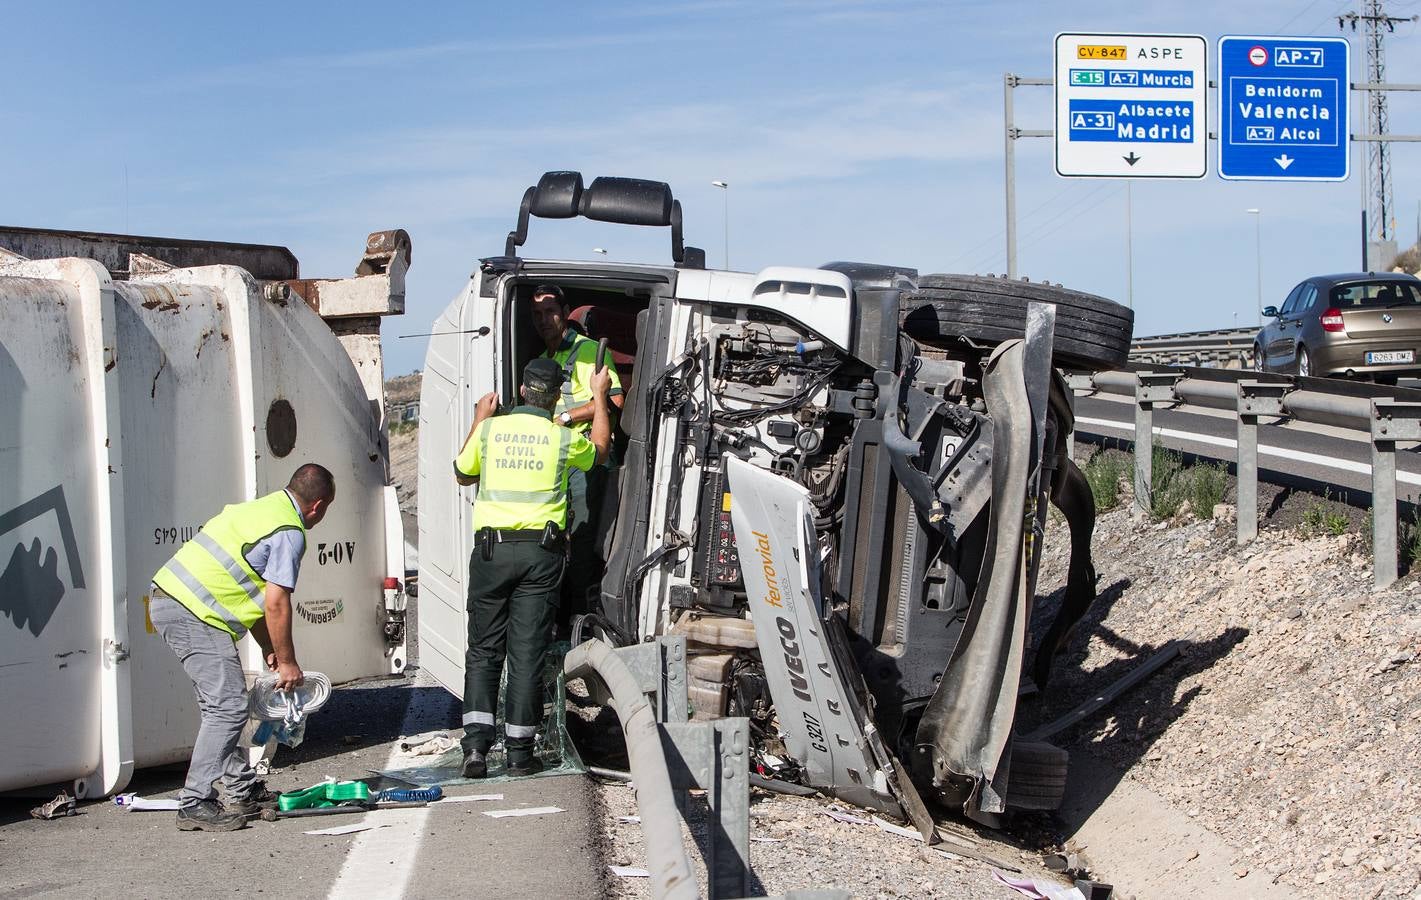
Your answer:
<point x="327" y="793"/>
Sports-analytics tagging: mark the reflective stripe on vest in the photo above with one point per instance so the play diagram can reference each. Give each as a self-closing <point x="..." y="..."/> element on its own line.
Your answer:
<point x="523" y="473"/>
<point x="568" y="400"/>
<point x="210" y="574"/>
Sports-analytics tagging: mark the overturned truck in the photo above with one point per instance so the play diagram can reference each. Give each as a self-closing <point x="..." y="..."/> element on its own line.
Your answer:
<point x="834" y="482"/>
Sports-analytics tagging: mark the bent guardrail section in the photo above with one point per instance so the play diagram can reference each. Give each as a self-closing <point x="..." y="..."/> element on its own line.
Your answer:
<point x="646" y="685"/>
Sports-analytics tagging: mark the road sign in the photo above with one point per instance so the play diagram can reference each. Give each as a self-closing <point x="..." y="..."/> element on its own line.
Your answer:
<point x="1283" y="108"/>
<point x="1131" y="105"/>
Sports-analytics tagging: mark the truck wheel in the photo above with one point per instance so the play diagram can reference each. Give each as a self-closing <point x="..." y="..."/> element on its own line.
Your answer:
<point x="1092" y="333"/>
<point x="1038" y="776"/>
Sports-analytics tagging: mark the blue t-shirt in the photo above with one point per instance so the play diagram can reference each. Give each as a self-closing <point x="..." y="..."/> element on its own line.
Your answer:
<point x="277" y="558"/>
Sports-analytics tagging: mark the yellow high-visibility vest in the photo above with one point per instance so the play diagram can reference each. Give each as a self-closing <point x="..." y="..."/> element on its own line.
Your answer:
<point x="210" y="574"/>
<point x="522" y="460"/>
<point x="578" y="358"/>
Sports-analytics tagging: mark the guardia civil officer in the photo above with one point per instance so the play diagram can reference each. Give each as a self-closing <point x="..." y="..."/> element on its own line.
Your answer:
<point x="577" y="356"/>
<point x="521" y="462"/>
<point x="236" y="575"/>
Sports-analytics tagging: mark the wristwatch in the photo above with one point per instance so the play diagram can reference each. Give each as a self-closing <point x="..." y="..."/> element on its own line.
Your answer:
<point x="565" y="418"/>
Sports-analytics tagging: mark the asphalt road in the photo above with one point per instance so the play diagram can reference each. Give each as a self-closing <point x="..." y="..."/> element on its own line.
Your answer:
<point x="1290" y="453"/>
<point x="446" y="849"/>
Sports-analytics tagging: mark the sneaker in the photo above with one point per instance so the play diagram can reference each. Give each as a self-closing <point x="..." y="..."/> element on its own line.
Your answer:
<point x="208" y="815"/>
<point x="518" y="768"/>
<point x="475" y="766"/>
<point x="252" y="805"/>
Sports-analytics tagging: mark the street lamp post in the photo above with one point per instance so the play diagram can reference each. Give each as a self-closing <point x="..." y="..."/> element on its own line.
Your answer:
<point x="1258" y="258"/>
<point x="725" y="188"/>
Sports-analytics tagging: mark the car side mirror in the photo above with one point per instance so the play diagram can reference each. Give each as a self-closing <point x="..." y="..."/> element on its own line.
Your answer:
<point x="1270" y="312"/>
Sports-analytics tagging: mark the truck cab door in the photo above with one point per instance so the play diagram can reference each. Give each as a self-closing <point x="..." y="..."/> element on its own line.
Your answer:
<point x="460" y="366"/>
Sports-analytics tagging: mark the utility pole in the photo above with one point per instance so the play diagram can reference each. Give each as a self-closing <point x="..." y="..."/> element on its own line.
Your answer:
<point x="1380" y="209"/>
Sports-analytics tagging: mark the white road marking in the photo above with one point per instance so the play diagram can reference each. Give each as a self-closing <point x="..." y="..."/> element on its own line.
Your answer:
<point x="1316" y="459"/>
<point x="381" y="862"/>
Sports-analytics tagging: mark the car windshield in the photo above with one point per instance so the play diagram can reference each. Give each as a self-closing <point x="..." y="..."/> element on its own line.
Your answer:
<point x="1375" y="294"/>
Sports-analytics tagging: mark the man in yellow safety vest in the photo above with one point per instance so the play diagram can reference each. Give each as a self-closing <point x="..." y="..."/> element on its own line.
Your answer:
<point x="521" y="462"/>
<point x="235" y="576"/>
<point x="577" y="356"/>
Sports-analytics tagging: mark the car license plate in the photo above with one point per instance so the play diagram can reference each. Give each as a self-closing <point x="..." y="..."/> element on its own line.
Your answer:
<point x="1390" y="356"/>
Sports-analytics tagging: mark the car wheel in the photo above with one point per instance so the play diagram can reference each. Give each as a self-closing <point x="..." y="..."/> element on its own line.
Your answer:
<point x="1092" y="333"/>
<point x="1304" y="363"/>
<point x="1037" y="779"/>
<point x="1258" y="359"/>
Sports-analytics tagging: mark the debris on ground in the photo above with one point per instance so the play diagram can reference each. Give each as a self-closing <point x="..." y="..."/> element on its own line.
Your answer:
<point x="531" y="811"/>
<point x="61" y="806"/>
<point x="135" y="803"/>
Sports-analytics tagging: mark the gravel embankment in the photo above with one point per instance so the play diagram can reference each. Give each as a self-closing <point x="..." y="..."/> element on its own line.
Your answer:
<point x="1289" y="725"/>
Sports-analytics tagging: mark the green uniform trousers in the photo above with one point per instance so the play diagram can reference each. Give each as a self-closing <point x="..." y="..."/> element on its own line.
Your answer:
<point x="585" y="493"/>
<point x="513" y="598"/>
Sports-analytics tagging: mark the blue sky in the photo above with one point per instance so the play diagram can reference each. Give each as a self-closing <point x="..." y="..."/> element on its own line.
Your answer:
<point x="847" y="130"/>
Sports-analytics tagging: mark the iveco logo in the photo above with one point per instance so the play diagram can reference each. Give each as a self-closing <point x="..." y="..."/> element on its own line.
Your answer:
<point x="1386" y="317"/>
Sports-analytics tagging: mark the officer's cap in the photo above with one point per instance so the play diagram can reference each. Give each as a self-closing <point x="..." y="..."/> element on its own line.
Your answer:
<point x="542" y="374"/>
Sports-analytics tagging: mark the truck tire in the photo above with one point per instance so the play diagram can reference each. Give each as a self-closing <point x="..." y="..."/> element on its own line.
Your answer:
<point x="1037" y="780"/>
<point x="1092" y="333"/>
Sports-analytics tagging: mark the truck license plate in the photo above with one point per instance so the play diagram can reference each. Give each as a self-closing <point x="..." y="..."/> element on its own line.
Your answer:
<point x="1390" y="356"/>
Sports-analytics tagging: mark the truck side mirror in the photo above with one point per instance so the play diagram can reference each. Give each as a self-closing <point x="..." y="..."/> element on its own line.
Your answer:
<point x="1270" y="312"/>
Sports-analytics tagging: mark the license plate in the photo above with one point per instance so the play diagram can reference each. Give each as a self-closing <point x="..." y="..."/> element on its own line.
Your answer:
<point x="1390" y="356"/>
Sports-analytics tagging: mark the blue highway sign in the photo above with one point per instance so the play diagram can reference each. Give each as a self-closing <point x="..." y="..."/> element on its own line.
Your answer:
<point x="1283" y="108"/>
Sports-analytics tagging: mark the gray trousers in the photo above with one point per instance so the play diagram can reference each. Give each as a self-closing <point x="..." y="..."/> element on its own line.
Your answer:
<point x="209" y="656"/>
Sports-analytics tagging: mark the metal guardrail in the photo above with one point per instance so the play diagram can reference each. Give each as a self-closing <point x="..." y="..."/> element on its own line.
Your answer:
<point x="1226" y="348"/>
<point x="1387" y="415"/>
<point x="646" y="685"/>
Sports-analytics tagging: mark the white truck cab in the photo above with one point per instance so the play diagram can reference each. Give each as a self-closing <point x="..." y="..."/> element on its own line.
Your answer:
<point x="829" y="482"/>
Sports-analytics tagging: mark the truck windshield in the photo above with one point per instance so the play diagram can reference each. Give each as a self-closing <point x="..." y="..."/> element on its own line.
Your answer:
<point x="1375" y="294"/>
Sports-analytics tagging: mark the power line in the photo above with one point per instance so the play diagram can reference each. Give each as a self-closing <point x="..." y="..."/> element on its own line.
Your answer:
<point x="1380" y="206"/>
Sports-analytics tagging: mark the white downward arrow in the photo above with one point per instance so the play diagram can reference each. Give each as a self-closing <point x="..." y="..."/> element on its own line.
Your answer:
<point x="1283" y="161"/>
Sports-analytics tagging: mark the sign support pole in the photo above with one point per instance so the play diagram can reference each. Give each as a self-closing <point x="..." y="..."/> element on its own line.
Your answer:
<point x="1011" y="132"/>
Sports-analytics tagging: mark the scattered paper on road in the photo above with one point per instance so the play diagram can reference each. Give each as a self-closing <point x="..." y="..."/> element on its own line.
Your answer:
<point x="630" y="820"/>
<point x="910" y="833"/>
<point x="135" y="803"/>
<point x="1038" y="890"/>
<point x="839" y="815"/>
<point x="349" y="829"/>
<point x="629" y="872"/>
<point x="531" y="811"/>
<point x="472" y="798"/>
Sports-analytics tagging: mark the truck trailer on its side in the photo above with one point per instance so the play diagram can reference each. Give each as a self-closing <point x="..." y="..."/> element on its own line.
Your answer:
<point x="138" y="396"/>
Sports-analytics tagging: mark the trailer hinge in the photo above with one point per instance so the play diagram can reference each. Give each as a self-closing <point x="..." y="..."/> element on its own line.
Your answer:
<point x="114" y="651"/>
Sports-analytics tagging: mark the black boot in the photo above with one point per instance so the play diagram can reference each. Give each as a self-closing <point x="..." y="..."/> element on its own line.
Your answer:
<point x="475" y="766"/>
<point x="520" y="766"/>
<point x="208" y="815"/>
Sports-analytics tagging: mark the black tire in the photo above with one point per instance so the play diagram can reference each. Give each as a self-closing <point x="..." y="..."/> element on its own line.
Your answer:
<point x="1092" y="333"/>
<point x="1037" y="780"/>
<point x="1258" y="362"/>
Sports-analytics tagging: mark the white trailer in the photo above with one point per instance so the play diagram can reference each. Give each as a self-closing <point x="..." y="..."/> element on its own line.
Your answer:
<point x="131" y="411"/>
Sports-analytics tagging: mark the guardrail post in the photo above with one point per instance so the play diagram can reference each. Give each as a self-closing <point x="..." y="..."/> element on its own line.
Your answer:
<point x="1153" y="387"/>
<point x="712" y="755"/>
<point x="1082" y="383"/>
<point x="660" y="670"/>
<point x="1255" y="398"/>
<point x="1391" y="422"/>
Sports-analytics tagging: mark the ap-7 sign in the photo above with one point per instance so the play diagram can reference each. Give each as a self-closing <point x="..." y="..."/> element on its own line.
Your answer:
<point x="1283" y="105"/>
